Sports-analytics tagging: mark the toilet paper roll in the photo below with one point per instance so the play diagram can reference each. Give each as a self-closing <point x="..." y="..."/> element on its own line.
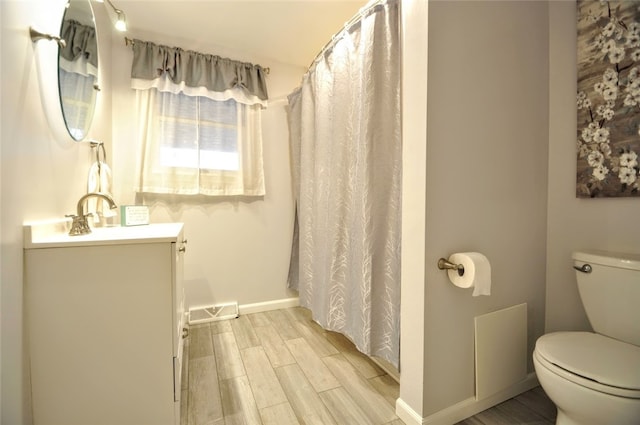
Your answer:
<point x="477" y="272"/>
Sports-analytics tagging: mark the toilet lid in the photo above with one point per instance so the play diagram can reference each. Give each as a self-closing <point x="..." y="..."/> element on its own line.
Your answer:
<point x="593" y="356"/>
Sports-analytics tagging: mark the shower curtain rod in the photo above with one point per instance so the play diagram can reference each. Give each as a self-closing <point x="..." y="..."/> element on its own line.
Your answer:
<point x="364" y="11"/>
<point x="130" y="42"/>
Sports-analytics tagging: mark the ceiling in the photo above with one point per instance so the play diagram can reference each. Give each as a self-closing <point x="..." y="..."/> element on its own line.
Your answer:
<point x="288" y="31"/>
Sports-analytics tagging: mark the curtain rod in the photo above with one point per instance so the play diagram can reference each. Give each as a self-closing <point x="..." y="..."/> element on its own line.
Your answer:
<point x="130" y="42"/>
<point x="362" y="13"/>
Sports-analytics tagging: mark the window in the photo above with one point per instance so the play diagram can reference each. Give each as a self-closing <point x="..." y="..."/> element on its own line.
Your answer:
<point x="77" y="98"/>
<point x="199" y="122"/>
<point x="197" y="145"/>
<point x="197" y="132"/>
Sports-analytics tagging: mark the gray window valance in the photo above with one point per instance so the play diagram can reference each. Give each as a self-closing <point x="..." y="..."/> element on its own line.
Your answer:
<point x="176" y="70"/>
<point x="80" y="42"/>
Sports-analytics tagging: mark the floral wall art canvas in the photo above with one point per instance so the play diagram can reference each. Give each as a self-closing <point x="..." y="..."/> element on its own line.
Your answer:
<point x="608" y="99"/>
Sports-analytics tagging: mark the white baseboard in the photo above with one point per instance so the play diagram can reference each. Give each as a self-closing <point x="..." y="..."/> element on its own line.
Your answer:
<point x="465" y="408"/>
<point x="269" y="305"/>
<point x="407" y="414"/>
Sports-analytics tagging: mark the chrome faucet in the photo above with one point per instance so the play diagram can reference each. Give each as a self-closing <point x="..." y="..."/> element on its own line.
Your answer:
<point x="80" y="225"/>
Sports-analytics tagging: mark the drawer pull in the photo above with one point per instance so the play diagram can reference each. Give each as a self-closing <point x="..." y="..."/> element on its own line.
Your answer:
<point x="185" y="333"/>
<point x="182" y="249"/>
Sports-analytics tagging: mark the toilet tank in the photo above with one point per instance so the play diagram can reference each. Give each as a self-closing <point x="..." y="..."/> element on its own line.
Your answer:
<point x="610" y="293"/>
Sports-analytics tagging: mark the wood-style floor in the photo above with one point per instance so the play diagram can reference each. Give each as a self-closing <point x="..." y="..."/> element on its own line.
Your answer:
<point x="280" y="367"/>
<point x="530" y="408"/>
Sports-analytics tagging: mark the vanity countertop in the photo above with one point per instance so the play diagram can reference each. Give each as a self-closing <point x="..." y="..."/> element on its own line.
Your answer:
<point x="54" y="234"/>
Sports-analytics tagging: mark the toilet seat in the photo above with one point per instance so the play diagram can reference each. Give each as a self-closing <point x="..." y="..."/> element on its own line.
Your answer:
<point x="593" y="361"/>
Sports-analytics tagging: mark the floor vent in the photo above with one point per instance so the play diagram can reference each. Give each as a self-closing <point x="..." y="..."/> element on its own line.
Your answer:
<point x="213" y="313"/>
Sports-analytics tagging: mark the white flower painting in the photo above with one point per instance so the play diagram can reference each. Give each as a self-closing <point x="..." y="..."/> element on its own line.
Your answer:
<point x="608" y="100"/>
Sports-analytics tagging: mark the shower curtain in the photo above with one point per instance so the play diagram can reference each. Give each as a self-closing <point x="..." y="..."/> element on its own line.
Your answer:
<point x="344" y="123"/>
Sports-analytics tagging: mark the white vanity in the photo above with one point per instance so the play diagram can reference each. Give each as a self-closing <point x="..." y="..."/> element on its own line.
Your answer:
<point x="104" y="316"/>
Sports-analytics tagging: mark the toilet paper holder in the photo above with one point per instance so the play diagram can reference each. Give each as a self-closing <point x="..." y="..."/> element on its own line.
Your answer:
<point x="444" y="264"/>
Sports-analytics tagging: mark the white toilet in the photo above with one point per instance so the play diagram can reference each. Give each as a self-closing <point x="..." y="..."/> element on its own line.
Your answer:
<point x="594" y="377"/>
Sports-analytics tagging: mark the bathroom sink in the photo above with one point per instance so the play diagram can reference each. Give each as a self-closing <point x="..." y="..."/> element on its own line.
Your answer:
<point x="54" y="234"/>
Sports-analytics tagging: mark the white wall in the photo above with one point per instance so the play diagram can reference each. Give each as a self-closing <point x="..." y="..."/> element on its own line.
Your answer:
<point x="238" y="249"/>
<point x="42" y="175"/>
<point x="486" y="179"/>
<point x="486" y="175"/>
<point x="415" y="35"/>
<point x="574" y="224"/>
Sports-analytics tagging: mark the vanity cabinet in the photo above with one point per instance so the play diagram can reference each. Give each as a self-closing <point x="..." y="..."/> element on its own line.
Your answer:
<point x="105" y="318"/>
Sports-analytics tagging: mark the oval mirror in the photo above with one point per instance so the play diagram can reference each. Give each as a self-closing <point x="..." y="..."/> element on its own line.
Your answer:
<point x="78" y="68"/>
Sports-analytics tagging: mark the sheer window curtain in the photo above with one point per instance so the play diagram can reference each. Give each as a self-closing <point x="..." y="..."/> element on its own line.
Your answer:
<point x="170" y="167"/>
<point x="77" y="93"/>
<point x="199" y="122"/>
